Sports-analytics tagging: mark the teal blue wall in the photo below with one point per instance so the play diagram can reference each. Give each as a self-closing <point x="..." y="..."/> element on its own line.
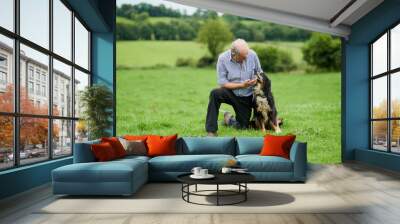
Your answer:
<point x="103" y="66"/>
<point x="99" y="15"/>
<point x="24" y="178"/>
<point x="355" y="97"/>
<point x="103" y="53"/>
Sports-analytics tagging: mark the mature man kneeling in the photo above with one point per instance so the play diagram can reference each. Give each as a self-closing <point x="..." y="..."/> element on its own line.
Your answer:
<point x="236" y="68"/>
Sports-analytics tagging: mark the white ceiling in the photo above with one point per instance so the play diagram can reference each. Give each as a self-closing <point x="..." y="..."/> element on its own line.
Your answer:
<point x="316" y="15"/>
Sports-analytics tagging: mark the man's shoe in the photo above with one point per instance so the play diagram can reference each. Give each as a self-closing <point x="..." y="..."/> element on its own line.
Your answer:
<point x="212" y="134"/>
<point x="227" y="118"/>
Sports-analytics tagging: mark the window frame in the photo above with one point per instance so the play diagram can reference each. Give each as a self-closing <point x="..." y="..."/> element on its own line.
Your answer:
<point x="16" y="114"/>
<point x="388" y="74"/>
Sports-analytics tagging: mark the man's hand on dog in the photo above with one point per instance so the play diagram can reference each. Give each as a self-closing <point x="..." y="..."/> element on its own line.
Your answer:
<point x="249" y="82"/>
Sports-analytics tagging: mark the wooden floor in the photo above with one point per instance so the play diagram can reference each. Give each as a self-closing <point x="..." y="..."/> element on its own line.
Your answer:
<point x="378" y="189"/>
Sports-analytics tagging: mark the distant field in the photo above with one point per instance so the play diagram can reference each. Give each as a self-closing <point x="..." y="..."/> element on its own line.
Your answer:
<point x="151" y="19"/>
<point x="150" y="53"/>
<point x="162" y="19"/>
<point x="174" y="100"/>
<point x="124" y="20"/>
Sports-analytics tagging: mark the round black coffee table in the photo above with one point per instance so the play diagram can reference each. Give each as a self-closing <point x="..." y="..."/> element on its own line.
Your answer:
<point x="238" y="179"/>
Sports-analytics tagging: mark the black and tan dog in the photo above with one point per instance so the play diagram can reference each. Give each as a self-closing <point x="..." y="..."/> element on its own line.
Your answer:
<point x="265" y="113"/>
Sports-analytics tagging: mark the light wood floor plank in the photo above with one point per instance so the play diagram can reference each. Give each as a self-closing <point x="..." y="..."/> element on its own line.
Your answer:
<point x="377" y="192"/>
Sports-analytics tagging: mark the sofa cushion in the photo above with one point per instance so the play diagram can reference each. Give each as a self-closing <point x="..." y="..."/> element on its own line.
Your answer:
<point x="132" y="158"/>
<point x="249" y="145"/>
<point x="161" y="145"/>
<point x="136" y="137"/>
<point x="103" y="152"/>
<point x="257" y="163"/>
<point x="116" y="145"/>
<point x="277" y="145"/>
<point x="112" y="171"/>
<point x="83" y="152"/>
<point x="206" y="145"/>
<point x="134" y="147"/>
<point x="185" y="163"/>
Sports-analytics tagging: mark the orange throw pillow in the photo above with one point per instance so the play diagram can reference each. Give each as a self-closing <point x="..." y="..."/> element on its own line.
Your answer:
<point x="116" y="145"/>
<point x="161" y="145"/>
<point x="103" y="152"/>
<point x="136" y="137"/>
<point x="277" y="145"/>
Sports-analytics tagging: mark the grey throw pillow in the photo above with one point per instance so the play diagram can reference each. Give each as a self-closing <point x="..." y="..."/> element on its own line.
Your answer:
<point x="137" y="148"/>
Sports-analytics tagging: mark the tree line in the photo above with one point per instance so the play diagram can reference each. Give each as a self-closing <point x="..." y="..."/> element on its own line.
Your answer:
<point x="321" y="52"/>
<point x="135" y="23"/>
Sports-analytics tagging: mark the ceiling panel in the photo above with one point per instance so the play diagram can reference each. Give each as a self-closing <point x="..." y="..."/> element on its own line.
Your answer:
<point x="320" y="9"/>
<point x="315" y="15"/>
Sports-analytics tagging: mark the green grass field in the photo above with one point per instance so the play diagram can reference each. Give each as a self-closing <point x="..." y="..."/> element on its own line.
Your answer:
<point x="150" y="53"/>
<point x="174" y="100"/>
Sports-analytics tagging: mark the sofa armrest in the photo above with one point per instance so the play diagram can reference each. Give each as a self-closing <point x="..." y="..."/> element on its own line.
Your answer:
<point x="298" y="155"/>
<point x="83" y="152"/>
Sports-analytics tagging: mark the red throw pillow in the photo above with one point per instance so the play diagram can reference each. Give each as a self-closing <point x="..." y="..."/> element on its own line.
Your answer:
<point x="103" y="152"/>
<point x="116" y="145"/>
<point x="277" y="145"/>
<point x="161" y="145"/>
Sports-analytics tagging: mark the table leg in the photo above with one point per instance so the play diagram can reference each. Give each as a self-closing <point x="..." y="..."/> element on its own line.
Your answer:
<point x="182" y="189"/>
<point x="217" y="194"/>
<point x="188" y="190"/>
<point x="245" y="193"/>
<point x="195" y="188"/>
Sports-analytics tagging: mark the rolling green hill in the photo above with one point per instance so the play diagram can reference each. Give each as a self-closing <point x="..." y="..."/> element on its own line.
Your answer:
<point x="136" y="54"/>
<point x="151" y="19"/>
<point x="124" y="20"/>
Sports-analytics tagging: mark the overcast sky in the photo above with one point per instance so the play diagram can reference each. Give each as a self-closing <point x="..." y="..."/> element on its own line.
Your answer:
<point x="168" y="4"/>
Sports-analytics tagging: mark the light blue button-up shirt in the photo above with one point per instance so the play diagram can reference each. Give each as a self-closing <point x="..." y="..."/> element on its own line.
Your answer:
<point x="229" y="70"/>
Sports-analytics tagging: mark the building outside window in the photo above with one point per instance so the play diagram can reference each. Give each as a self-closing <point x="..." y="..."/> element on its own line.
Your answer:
<point x="38" y="89"/>
<point x="43" y="90"/>
<point x="44" y="77"/>
<point x="3" y="81"/>
<point x="3" y="72"/>
<point x="3" y="61"/>
<point x="3" y="78"/>
<point x="30" y="72"/>
<point x="30" y="87"/>
<point x="34" y="74"/>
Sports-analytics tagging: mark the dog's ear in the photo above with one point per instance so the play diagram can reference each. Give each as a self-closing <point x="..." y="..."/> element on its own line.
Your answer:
<point x="267" y="81"/>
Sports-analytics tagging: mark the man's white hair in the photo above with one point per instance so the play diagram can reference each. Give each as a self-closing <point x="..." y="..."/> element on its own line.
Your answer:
<point x="240" y="45"/>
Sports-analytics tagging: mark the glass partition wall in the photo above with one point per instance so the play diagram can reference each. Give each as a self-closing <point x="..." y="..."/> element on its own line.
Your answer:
<point x="44" y="65"/>
<point x="385" y="91"/>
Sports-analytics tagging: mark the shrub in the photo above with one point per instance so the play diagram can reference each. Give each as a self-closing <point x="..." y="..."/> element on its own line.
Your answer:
<point x="215" y="34"/>
<point x="97" y="104"/>
<point x="185" y="62"/>
<point x="273" y="59"/>
<point x="205" y="61"/>
<point x="323" y="52"/>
